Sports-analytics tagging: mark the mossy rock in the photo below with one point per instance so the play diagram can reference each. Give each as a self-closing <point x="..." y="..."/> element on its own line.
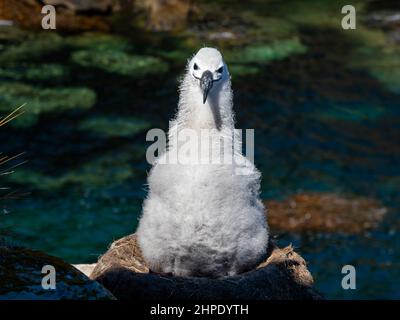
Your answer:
<point x="35" y="72"/>
<point x="114" y="126"/>
<point x="250" y="59"/>
<point x="268" y="28"/>
<point x="12" y="34"/>
<point x="247" y="59"/>
<point x="240" y="70"/>
<point x="266" y="53"/>
<point x="34" y="48"/>
<point x="119" y="62"/>
<point x="98" y="41"/>
<point x="317" y="13"/>
<point x="282" y="276"/>
<point x="42" y="100"/>
<point x="388" y="76"/>
<point x="101" y="172"/>
<point x="381" y="62"/>
<point x="371" y="49"/>
<point x="179" y="55"/>
<point x="21" y="278"/>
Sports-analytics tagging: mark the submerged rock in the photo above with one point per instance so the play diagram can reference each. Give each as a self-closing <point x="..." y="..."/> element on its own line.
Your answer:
<point x="283" y="275"/>
<point x="49" y="72"/>
<point x="267" y="52"/>
<point x="42" y="100"/>
<point x="114" y="126"/>
<point x="119" y="62"/>
<point x="98" y="41"/>
<point x="250" y="59"/>
<point x="324" y="212"/>
<point x="21" y="278"/>
<point x="379" y="56"/>
<point x="107" y="170"/>
<point x="29" y="47"/>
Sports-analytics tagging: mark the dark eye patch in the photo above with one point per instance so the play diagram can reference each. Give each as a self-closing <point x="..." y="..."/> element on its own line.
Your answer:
<point x="220" y="70"/>
<point x="195" y="67"/>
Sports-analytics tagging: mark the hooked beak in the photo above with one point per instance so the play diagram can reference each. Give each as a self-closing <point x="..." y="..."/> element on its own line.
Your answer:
<point x="206" y="83"/>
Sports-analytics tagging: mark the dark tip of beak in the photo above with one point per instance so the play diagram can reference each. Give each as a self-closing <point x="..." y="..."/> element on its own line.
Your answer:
<point x="205" y="94"/>
<point x="206" y="83"/>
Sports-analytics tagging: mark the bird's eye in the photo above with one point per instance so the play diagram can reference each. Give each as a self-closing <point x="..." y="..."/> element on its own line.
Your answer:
<point x="220" y="70"/>
<point x="195" y="67"/>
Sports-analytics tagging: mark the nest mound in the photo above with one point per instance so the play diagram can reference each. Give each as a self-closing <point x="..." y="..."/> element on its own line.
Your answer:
<point x="123" y="271"/>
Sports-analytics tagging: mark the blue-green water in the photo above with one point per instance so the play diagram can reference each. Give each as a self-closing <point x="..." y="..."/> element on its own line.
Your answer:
<point x="324" y="104"/>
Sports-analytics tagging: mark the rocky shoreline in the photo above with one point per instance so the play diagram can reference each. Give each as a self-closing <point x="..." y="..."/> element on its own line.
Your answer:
<point x="122" y="273"/>
<point x="21" y="278"/>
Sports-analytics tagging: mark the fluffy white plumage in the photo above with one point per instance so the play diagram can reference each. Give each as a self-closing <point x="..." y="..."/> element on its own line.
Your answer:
<point x="203" y="219"/>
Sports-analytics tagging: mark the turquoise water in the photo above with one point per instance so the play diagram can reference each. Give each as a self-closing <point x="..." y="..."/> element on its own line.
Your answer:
<point x="325" y="114"/>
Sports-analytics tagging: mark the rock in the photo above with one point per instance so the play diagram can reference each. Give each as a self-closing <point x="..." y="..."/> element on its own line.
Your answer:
<point x="84" y="15"/>
<point x="222" y="35"/>
<point x="21" y="277"/>
<point x="6" y="23"/>
<point x="113" y="126"/>
<point x="388" y="22"/>
<point x="394" y="36"/>
<point x="43" y="100"/>
<point x="27" y="14"/>
<point x="324" y="212"/>
<point x="166" y="15"/>
<point x="283" y="275"/>
<point x="120" y="62"/>
<point x="85" y="5"/>
<point x="384" y="20"/>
